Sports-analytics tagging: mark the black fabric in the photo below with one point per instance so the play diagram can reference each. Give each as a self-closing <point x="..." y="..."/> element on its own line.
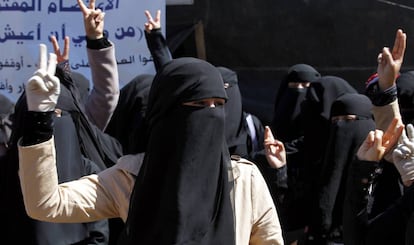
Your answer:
<point x="83" y="86"/>
<point x="158" y="47"/>
<point x="359" y="177"/>
<point x="181" y="195"/>
<point x="379" y="97"/>
<point x="390" y="226"/>
<point x="81" y="149"/>
<point x="235" y="131"/>
<point x="39" y="127"/>
<point x="101" y="148"/>
<point x="287" y="123"/>
<point x="405" y="92"/>
<point x="344" y="140"/>
<point x="127" y="122"/>
<point x="316" y="109"/>
<point x="6" y="114"/>
<point x="287" y="184"/>
<point x="254" y="143"/>
<point x="98" y="43"/>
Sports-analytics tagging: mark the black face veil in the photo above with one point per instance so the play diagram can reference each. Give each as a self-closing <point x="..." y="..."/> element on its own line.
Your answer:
<point x="181" y="195"/>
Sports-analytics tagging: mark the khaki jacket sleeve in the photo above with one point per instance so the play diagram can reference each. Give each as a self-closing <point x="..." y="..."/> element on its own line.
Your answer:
<point x="257" y="221"/>
<point x="105" y="91"/>
<point x="91" y="198"/>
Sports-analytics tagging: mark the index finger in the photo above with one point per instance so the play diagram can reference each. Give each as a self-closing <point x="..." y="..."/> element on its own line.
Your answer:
<point x="83" y="7"/>
<point x="55" y="44"/>
<point x="393" y="133"/>
<point x="92" y="4"/>
<point x="42" y="56"/>
<point x="148" y="15"/>
<point x="51" y="68"/>
<point x="67" y="47"/>
<point x="158" y="16"/>
<point x="399" y="44"/>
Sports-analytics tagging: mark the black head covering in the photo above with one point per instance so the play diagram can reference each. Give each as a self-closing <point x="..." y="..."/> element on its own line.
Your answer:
<point x="405" y="92"/>
<point x="352" y="104"/>
<point x="287" y="123"/>
<point x="6" y="112"/>
<point x="316" y="110"/>
<point x="344" y="140"/>
<point x="236" y="134"/>
<point x="181" y="195"/>
<point x="81" y="149"/>
<point x="6" y="105"/>
<point x="83" y="86"/>
<point x="127" y="122"/>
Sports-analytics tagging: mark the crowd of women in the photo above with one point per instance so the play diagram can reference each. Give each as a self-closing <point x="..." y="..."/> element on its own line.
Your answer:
<point x="173" y="158"/>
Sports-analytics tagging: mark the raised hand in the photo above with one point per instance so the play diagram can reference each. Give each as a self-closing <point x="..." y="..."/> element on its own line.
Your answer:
<point x="93" y="20"/>
<point x="403" y="156"/>
<point x="274" y="149"/>
<point x="378" y="143"/>
<point x="152" y="24"/>
<point x="61" y="57"/>
<point x="389" y="62"/>
<point x="43" y="88"/>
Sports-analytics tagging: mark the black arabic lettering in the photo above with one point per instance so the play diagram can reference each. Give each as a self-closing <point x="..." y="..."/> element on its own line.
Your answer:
<point x="73" y="8"/>
<point x="52" y="8"/>
<point x="24" y="6"/>
<point x="9" y="34"/>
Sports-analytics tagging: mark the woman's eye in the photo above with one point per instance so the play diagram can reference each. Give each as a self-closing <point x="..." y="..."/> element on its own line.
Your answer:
<point x="219" y="103"/>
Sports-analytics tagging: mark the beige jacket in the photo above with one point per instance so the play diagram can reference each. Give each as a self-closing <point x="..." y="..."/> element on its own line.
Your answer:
<point x="106" y="194"/>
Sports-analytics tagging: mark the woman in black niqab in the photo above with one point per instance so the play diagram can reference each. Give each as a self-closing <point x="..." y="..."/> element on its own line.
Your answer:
<point x="181" y="195"/>
<point x="287" y="122"/>
<point x="235" y="130"/>
<point x="127" y="122"/>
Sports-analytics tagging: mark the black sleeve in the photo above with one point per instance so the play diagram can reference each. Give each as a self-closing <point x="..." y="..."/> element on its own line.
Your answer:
<point x="158" y="47"/>
<point x="276" y="179"/>
<point x="392" y="223"/>
<point x="379" y="97"/>
<point x="38" y="127"/>
<point x="98" y="43"/>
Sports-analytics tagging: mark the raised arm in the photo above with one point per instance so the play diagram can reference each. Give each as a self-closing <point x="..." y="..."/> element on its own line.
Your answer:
<point x="156" y="42"/>
<point x="93" y="197"/>
<point x="382" y="90"/>
<point x="102" y="61"/>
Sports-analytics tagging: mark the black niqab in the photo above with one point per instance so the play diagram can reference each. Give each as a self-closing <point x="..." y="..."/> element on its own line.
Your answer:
<point x="344" y="140"/>
<point x="287" y="122"/>
<point x="181" y="195"/>
<point x="405" y="91"/>
<point x="127" y="122"/>
<point x="236" y="134"/>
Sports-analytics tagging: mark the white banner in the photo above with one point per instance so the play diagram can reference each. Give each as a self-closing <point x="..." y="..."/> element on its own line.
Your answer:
<point x="26" y="24"/>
